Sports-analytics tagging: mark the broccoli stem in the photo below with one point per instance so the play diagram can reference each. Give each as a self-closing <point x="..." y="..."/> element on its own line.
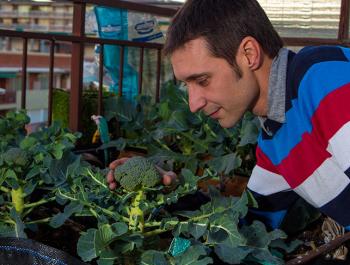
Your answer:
<point x="4" y="189"/>
<point x="41" y="221"/>
<point x="17" y="196"/>
<point x="155" y="232"/>
<point x="38" y="203"/>
<point x="136" y="217"/>
<point x="29" y="207"/>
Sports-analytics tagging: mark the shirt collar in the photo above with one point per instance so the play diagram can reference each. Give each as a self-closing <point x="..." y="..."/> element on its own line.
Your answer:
<point x="277" y="89"/>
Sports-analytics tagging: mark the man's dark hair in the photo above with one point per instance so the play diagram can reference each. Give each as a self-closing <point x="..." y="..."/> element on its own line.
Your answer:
<point x="223" y="24"/>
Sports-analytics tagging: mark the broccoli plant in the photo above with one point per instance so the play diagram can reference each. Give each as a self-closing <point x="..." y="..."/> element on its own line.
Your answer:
<point x="133" y="219"/>
<point x="28" y="162"/>
<point x="137" y="175"/>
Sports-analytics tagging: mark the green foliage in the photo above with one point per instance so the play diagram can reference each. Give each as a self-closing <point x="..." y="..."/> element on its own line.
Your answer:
<point x="129" y="220"/>
<point x="60" y="111"/>
<point x="12" y="129"/>
<point x="177" y="138"/>
<point x="26" y="165"/>
<point x="213" y="228"/>
<point x="60" y="106"/>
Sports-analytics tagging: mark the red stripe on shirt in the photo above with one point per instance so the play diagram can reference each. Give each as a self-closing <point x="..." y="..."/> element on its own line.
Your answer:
<point x="332" y="113"/>
<point x="263" y="161"/>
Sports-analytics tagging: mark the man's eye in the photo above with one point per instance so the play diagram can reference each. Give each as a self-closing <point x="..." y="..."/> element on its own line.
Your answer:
<point x="203" y="82"/>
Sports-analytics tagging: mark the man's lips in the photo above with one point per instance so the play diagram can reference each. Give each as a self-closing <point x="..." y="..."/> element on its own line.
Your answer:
<point x="215" y="114"/>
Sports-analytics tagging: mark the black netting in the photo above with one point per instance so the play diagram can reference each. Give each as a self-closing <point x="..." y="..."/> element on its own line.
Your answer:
<point x="19" y="251"/>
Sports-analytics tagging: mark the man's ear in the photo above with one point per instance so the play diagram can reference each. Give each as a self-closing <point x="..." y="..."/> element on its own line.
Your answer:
<point x="250" y="53"/>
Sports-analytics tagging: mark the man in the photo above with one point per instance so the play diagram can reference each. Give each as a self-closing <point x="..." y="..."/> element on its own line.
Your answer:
<point x="232" y="60"/>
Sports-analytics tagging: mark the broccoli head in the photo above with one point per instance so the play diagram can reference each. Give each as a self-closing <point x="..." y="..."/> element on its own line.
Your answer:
<point x="16" y="156"/>
<point x="137" y="172"/>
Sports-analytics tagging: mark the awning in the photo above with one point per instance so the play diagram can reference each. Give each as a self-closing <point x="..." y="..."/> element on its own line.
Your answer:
<point x="8" y="75"/>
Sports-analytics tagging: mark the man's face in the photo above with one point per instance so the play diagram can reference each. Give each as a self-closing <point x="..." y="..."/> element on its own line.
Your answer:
<point x="213" y="86"/>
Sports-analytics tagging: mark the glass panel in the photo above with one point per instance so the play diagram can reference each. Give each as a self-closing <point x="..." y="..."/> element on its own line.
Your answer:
<point x="300" y="18"/>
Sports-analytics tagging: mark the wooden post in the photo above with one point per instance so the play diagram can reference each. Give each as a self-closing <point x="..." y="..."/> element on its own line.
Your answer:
<point x="77" y="67"/>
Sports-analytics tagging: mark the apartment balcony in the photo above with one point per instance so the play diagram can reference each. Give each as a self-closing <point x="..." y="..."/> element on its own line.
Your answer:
<point x="36" y="14"/>
<point x="36" y="27"/>
<point x="8" y="99"/>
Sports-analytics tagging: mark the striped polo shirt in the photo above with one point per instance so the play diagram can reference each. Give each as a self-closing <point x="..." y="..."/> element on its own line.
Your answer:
<point x="307" y="152"/>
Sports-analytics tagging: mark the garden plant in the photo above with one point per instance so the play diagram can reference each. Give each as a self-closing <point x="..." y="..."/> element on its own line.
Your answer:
<point x="133" y="224"/>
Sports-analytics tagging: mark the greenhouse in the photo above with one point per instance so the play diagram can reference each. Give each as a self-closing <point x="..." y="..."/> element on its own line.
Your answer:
<point x="174" y="132"/>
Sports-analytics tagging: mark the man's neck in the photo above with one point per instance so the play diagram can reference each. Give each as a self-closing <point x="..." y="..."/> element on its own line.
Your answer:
<point x="262" y="76"/>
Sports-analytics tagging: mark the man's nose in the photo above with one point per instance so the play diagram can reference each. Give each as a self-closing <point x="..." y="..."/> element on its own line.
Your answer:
<point x="196" y="100"/>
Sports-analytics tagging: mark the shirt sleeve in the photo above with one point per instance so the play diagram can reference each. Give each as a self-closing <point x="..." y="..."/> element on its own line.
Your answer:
<point x="273" y="195"/>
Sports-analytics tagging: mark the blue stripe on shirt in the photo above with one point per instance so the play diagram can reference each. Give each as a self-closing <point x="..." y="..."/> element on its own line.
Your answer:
<point x="318" y="82"/>
<point x="272" y="219"/>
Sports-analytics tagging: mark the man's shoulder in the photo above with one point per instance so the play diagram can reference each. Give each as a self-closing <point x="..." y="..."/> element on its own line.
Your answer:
<point x="310" y="56"/>
<point x="314" y="67"/>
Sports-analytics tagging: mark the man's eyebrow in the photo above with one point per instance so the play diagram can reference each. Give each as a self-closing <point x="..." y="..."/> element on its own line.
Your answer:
<point x="195" y="76"/>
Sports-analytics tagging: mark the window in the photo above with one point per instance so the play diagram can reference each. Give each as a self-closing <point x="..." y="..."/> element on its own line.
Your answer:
<point x="300" y="18"/>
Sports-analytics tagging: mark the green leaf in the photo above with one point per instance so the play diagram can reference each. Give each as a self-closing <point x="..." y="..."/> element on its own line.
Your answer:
<point x="10" y="174"/>
<point x="68" y="164"/>
<point x="178" y="121"/>
<point x="153" y="257"/>
<point x="107" y="257"/>
<point x="29" y="187"/>
<point x="231" y="255"/>
<point x="195" y="255"/>
<point x="191" y="164"/>
<point x="11" y="179"/>
<point x="198" y="229"/>
<point x="119" y="228"/>
<point x="240" y="206"/>
<point x="105" y="261"/>
<point x="256" y="235"/>
<point x="86" y="245"/>
<point x="225" y="164"/>
<point x="27" y="143"/>
<point x="32" y="173"/>
<point x="164" y="111"/>
<point x="264" y="256"/>
<point x="131" y="242"/>
<point x="39" y="157"/>
<point x="71" y="208"/>
<point x="57" y="150"/>
<point x="279" y="243"/>
<point x="189" y="177"/>
<point x="2" y="177"/>
<point x="249" y="132"/>
<point x="251" y="201"/>
<point x="7" y="231"/>
<point x="119" y="144"/>
<point x="181" y="228"/>
<point x="224" y="230"/>
<point x="107" y="233"/>
<point x="277" y="234"/>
